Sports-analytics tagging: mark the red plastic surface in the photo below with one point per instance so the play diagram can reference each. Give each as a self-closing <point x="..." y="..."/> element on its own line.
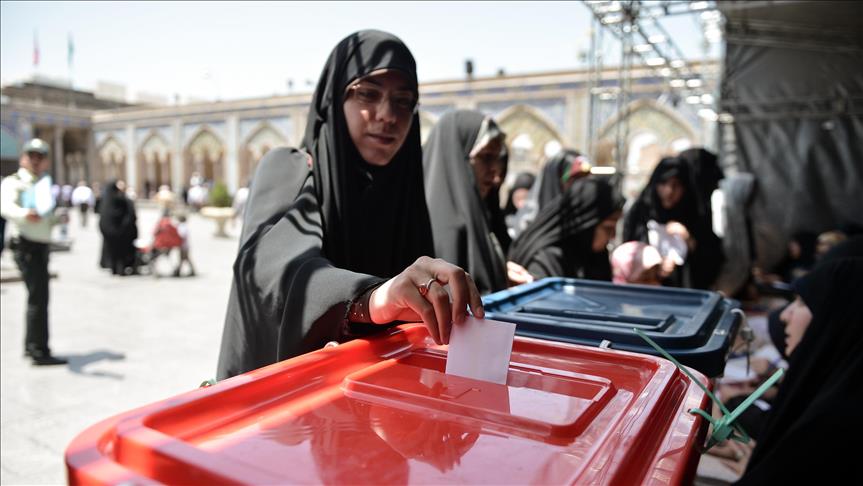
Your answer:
<point x="382" y="410"/>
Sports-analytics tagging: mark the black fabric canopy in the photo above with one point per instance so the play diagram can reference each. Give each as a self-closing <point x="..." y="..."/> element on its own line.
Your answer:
<point x="792" y="82"/>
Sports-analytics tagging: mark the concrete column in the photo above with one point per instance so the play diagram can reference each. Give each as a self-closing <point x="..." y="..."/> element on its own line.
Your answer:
<point x="90" y="164"/>
<point x="177" y="175"/>
<point x="232" y="168"/>
<point x="59" y="168"/>
<point x="577" y="118"/>
<point x="131" y="159"/>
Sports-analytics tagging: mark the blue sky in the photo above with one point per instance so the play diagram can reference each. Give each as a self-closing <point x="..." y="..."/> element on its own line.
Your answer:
<point x="230" y="50"/>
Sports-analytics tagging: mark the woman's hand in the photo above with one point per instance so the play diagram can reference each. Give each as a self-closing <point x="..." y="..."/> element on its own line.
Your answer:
<point x="676" y="228"/>
<point x="517" y="274"/>
<point x="418" y="293"/>
<point x="733" y="454"/>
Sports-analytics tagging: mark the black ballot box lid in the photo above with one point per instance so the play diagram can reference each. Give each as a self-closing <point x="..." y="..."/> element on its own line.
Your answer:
<point x="697" y="327"/>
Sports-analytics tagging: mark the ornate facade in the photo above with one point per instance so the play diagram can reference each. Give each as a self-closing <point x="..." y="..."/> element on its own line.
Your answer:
<point x="223" y="141"/>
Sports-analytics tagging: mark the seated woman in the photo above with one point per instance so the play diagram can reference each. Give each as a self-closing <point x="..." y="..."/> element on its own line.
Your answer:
<point x="570" y="234"/>
<point x="820" y="396"/>
<point x="670" y="201"/>
<point x="463" y="173"/>
<point x="335" y="240"/>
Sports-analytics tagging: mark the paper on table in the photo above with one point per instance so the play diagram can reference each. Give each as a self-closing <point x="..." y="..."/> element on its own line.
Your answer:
<point x="480" y="349"/>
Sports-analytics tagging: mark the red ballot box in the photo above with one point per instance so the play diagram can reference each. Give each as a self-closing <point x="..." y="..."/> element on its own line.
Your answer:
<point x="382" y="411"/>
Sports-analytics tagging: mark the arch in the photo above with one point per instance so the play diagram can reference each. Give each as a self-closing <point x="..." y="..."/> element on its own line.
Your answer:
<point x="652" y="129"/>
<point x="649" y="115"/>
<point x="262" y="139"/>
<point x="533" y="131"/>
<point x="154" y="163"/>
<point x="205" y="154"/>
<point x="112" y="155"/>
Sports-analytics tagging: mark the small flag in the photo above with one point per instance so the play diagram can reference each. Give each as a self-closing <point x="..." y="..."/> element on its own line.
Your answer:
<point x="70" y="51"/>
<point x="35" y="49"/>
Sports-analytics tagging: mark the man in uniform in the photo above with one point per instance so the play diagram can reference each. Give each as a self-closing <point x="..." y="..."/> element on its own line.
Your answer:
<point x="29" y="209"/>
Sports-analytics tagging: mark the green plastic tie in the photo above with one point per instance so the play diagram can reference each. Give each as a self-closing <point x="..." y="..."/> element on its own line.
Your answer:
<point x="724" y="427"/>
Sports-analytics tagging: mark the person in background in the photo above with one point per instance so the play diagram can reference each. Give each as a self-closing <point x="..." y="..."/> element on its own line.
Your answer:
<point x="669" y="205"/>
<point x="118" y="224"/>
<point x="239" y="203"/>
<point x="558" y="173"/>
<point x="165" y="198"/>
<point x="828" y="240"/>
<point x="570" y="235"/>
<point x="518" y="195"/>
<point x="336" y="241"/>
<point x="97" y="197"/>
<point x="66" y="195"/>
<point x="183" y="231"/>
<point x="705" y="175"/>
<point x="820" y="395"/>
<point x="463" y="171"/>
<point x="82" y="197"/>
<point x="32" y="223"/>
<point x="518" y="192"/>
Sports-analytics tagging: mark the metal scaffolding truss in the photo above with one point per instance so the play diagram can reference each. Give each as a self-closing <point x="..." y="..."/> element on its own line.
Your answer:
<point x="645" y="44"/>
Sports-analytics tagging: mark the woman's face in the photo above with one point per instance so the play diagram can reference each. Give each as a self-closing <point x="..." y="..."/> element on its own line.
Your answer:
<point x="519" y="197"/>
<point x="796" y="318"/>
<point x="488" y="167"/>
<point x="604" y="232"/>
<point x="379" y="111"/>
<point x="670" y="192"/>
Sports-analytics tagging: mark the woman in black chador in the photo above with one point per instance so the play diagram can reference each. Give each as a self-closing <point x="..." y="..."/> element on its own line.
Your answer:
<point x="569" y="236"/>
<point x="671" y="199"/>
<point x="557" y="174"/>
<point x="336" y="238"/>
<point x="810" y="433"/>
<point x="118" y="224"/>
<point x="463" y="173"/>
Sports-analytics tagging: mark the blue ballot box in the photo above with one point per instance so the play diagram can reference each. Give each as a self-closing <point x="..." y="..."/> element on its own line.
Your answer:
<point x="696" y="327"/>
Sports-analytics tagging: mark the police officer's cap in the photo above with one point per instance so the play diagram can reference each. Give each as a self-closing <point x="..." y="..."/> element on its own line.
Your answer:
<point x="36" y="145"/>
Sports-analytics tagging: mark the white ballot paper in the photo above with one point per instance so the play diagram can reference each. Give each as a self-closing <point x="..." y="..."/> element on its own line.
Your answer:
<point x="480" y="349"/>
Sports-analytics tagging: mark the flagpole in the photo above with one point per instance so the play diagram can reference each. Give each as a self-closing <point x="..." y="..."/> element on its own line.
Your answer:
<point x="35" y="52"/>
<point x="70" y="54"/>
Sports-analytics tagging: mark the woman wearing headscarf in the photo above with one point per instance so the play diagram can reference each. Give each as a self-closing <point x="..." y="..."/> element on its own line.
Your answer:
<point x="705" y="175"/>
<point x="570" y="234"/>
<point x="819" y="400"/>
<point x="118" y="225"/>
<point x="336" y="240"/>
<point x="463" y="171"/>
<point x="556" y="175"/>
<point x="671" y="201"/>
<point x="518" y="193"/>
